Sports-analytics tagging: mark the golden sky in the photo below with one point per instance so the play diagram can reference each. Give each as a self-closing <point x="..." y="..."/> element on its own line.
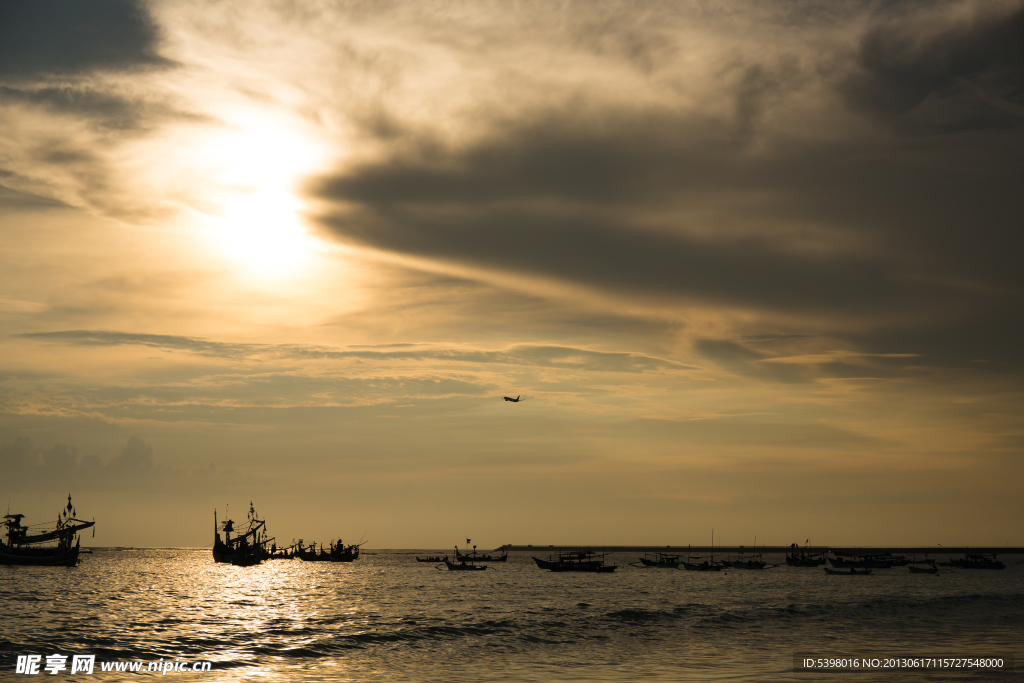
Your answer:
<point x="752" y="266"/>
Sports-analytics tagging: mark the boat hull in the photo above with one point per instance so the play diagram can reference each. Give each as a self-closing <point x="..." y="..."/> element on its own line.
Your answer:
<point x="850" y="564"/>
<point x="39" y="557"/>
<point x="587" y="567"/>
<point x="481" y="558"/>
<point x="848" y="572"/>
<point x="690" y="567"/>
<point x="462" y="566"/>
<point x="662" y="565"/>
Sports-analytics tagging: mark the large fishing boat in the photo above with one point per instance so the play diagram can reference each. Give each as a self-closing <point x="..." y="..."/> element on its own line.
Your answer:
<point x="41" y="544"/>
<point x="249" y="547"/>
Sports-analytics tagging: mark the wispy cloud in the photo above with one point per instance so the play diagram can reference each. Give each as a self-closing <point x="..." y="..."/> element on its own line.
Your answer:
<point x="521" y="354"/>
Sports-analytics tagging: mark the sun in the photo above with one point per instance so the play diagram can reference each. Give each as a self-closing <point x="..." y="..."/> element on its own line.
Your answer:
<point x="256" y="221"/>
<point x="263" y="230"/>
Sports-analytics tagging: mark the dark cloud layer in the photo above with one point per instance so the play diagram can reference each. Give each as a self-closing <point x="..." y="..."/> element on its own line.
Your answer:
<point x="590" y="207"/>
<point x="912" y="50"/>
<point x="912" y="227"/>
<point x="69" y="37"/>
<point x="111" y="110"/>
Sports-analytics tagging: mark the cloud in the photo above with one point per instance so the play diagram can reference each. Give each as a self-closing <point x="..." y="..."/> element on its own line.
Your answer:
<point x="960" y="63"/>
<point x="520" y="354"/>
<point x="11" y="199"/>
<point x="137" y="456"/>
<point x="108" y="109"/>
<point x="67" y="463"/>
<point x="638" y="204"/>
<point x="69" y="38"/>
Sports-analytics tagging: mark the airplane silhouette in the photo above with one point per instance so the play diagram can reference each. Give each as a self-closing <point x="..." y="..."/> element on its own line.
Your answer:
<point x="514" y="400"/>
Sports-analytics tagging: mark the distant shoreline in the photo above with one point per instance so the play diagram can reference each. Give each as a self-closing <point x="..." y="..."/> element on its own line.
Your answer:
<point x="673" y="549"/>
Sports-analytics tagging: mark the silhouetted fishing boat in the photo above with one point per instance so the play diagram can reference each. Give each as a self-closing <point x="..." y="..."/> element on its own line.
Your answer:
<point x="705" y="566"/>
<point x="847" y="572"/>
<point x="246" y="555"/>
<point x="662" y="560"/>
<point x="480" y="558"/>
<point x="288" y="553"/>
<point x="579" y="561"/>
<point x="754" y="561"/>
<point x="799" y="557"/>
<point x="310" y="554"/>
<point x="246" y="549"/>
<point x="339" y="552"/>
<point x="863" y="561"/>
<point x="749" y="563"/>
<point x="978" y="561"/>
<point x="335" y="552"/>
<point x="41" y="545"/>
<point x="436" y="559"/>
<point x="463" y="564"/>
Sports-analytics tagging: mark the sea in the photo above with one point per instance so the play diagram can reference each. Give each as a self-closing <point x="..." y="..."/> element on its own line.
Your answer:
<point x="387" y="617"/>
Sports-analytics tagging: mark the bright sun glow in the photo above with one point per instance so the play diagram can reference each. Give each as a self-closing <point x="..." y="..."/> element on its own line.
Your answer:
<point x="254" y="169"/>
<point x="264" y="231"/>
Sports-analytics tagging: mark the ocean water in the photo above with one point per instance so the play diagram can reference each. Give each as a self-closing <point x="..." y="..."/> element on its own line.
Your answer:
<point x="388" y="618"/>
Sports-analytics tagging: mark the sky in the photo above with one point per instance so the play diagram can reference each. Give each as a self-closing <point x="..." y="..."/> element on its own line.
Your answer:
<point x="754" y="267"/>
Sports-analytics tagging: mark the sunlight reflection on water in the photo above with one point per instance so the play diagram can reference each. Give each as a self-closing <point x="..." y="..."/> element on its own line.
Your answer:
<point x="389" y="618"/>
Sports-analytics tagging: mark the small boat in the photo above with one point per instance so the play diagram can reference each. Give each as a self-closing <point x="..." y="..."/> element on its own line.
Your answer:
<point x="704" y="566"/>
<point x="339" y="552"/>
<point x="800" y="557"/>
<point x="464" y="564"/>
<point x="459" y="556"/>
<point x="923" y="570"/>
<point x="289" y="553"/>
<point x="436" y="559"/>
<point x="662" y="560"/>
<point x="579" y="561"/>
<point x="849" y="572"/>
<point x="863" y="561"/>
<point x="56" y="545"/>
<point x="754" y="561"/>
<point x="746" y="564"/>
<point x="978" y="561"/>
